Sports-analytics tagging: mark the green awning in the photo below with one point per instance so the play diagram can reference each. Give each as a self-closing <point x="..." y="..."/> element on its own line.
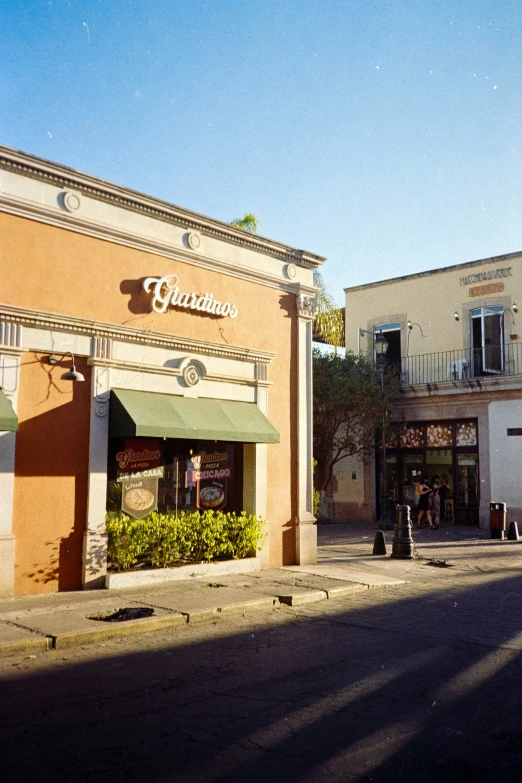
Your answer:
<point x="147" y="414"/>
<point x="8" y="418"/>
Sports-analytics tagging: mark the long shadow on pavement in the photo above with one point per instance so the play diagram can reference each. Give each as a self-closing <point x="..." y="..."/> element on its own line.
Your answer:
<point x="401" y="684"/>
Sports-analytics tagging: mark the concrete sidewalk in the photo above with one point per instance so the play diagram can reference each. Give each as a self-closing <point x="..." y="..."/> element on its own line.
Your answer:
<point x="346" y="565"/>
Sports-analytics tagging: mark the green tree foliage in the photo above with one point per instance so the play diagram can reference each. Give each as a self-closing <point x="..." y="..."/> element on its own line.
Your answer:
<point x="329" y="322"/>
<point x="349" y="407"/>
<point x="248" y="222"/>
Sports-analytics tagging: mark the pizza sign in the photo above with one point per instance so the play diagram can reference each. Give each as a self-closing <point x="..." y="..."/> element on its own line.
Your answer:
<point x="139" y="455"/>
<point x="139" y="497"/>
<point x="210" y="476"/>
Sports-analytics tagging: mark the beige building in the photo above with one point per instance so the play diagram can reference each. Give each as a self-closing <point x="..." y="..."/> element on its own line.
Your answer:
<point x="453" y="337"/>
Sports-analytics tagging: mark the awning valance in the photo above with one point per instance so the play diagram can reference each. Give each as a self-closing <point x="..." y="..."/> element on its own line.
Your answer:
<point x="148" y="414"/>
<point x="8" y="418"/>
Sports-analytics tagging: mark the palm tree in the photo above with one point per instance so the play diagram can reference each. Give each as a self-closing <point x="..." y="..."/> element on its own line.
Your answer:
<point x="329" y="321"/>
<point x="248" y="222"/>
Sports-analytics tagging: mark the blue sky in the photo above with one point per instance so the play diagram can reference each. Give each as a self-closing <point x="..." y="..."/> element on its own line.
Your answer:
<point x="383" y="135"/>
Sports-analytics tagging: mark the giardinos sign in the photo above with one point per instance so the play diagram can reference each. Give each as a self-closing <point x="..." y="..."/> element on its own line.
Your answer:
<point x="166" y="293"/>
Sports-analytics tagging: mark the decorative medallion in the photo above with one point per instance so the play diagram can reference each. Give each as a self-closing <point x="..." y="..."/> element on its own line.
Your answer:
<point x="290" y="271"/>
<point x="194" y="240"/>
<point x="71" y="200"/>
<point x="191" y="374"/>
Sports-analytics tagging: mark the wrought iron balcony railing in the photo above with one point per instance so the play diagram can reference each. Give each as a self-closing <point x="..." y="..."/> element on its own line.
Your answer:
<point x="489" y="361"/>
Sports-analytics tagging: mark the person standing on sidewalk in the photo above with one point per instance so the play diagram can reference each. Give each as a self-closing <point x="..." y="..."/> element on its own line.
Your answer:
<point x="423" y="507"/>
<point x="434" y="503"/>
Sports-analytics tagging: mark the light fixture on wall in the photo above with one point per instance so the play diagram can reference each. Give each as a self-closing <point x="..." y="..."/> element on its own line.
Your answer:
<point x="514" y="307"/>
<point x="456" y="316"/>
<point x="70" y="375"/>
<point x="411" y="324"/>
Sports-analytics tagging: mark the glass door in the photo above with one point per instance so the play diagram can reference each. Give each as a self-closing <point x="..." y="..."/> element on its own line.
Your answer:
<point x="467" y="492"/>
<point x="412" y="474"/>
<point x="487" y="330"/>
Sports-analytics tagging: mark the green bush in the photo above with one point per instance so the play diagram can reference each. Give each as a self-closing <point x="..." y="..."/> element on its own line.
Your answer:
<point x="162" y="540"/>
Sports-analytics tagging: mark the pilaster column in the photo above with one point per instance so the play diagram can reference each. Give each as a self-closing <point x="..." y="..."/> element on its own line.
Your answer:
<point x="94" y="566"/>
<point x="306" y="531"/>
<point x="255" y="471"/>
<point x="10" y="352"/>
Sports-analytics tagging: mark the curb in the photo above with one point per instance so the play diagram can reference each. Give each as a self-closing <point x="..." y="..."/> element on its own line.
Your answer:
<point x="62" y="640"/>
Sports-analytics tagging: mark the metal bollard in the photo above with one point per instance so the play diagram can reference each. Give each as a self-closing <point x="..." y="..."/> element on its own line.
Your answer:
<point x="379" y="545"/>
<point x="402" y="545"/>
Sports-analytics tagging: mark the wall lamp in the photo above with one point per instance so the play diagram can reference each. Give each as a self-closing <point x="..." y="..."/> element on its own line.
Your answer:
<point x="456" y="316"/>
<point x="411" y="324"/>
<point x="514" y="307"/>
<point x="70" y="375"/>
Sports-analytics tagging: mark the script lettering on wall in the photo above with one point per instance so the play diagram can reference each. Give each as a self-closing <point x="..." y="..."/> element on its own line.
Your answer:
<point x="166" y="293"/>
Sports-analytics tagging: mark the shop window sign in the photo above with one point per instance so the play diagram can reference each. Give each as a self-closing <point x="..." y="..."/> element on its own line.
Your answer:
<point x="139" y="469"/>
<point x="210" y="474"/>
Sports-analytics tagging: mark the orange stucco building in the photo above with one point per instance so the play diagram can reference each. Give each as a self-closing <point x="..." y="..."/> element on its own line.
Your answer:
<point x="190" y="335"/>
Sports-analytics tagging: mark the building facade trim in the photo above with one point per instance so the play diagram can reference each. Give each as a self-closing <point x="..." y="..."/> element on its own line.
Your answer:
<point x="62" y="323"/>
<point x="69" y="179"/>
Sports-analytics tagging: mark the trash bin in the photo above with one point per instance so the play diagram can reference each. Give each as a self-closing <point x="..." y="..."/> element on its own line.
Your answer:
<point x="497" y="520"/>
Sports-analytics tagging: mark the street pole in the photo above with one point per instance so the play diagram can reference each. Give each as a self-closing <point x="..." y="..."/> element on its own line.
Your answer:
<point x="385" y="522"/>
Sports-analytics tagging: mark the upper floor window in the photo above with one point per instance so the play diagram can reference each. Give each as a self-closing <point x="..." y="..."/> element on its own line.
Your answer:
<point x="392" y="332"/>
<point x="487" y="340"/>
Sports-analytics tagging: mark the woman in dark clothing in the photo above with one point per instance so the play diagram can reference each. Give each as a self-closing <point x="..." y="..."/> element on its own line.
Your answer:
<point x="423" y="507"/>
<point x="434" y="504"/>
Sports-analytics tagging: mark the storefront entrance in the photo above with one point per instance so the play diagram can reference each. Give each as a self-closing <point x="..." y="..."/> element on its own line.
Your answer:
<point x="448" y="450"/>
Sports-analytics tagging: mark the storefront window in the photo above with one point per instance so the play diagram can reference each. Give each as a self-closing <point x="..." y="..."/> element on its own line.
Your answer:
<point x="447" y="450"/>
<point x="466" y="434"/>
<point x="439" y="435"/>
<point x="412" y="437"/>
<point x="174" y="475"/>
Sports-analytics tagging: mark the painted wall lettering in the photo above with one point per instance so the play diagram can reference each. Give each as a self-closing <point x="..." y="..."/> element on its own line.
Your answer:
<point x="491" y="274"/>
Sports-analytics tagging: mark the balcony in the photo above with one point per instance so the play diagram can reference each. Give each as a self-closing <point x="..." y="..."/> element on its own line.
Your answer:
<point x="470" y="366"/>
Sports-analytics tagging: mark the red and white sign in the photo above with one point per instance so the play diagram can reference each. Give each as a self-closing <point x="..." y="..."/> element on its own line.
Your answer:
<point x="139" y="455"/>
<point x="210" y="476"/>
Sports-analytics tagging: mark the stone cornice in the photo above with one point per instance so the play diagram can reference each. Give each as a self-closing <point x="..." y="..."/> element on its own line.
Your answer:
<point x="442" y="270"/>
<point x="37" y="319"/>
<point x="64" y="177"/>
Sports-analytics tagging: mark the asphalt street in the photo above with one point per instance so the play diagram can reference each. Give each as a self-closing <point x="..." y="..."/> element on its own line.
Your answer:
<point x="415" y="682"/>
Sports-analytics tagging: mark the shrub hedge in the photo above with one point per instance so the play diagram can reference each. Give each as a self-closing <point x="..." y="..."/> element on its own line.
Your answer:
<point x="162" y="540"/>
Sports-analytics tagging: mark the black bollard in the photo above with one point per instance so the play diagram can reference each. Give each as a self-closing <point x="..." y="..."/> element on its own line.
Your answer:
<point x="379" y="545"/>
<point x="513" y="531"/>
<point x="402" y="545"/>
